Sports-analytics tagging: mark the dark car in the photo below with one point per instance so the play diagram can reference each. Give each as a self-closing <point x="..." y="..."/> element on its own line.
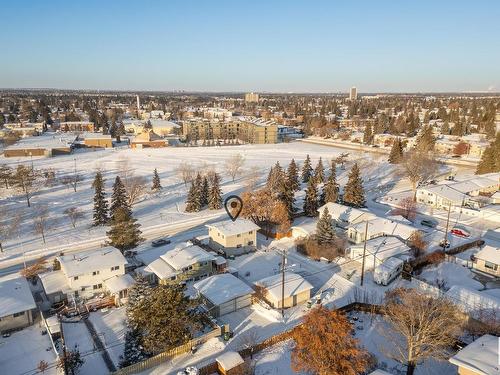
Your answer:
<point x="160" y="242"/>
<point x="445" y="244"/>
<point x="428" y="223"/>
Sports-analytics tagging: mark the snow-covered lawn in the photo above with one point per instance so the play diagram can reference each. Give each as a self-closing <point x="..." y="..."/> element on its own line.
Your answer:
<point x="450" y="274"/>
<point x="111" y="328"/>
<point x="78" y="334"/>
<point x="22" y="352"/>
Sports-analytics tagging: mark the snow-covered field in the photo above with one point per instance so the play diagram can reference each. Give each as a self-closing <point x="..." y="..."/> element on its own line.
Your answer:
<point x="22" y="352"/>
<point x="165" y="208"/>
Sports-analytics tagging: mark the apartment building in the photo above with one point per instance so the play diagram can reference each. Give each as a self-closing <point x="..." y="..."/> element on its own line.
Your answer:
<point x="251" y="97"/>
<point x="77" y="126"/>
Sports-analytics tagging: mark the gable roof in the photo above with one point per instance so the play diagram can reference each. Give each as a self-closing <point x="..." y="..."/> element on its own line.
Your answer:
<point x="231" y="228"/>
<point x="384" y="247"/>
<point x="387" y="226"/>
<point x="222" y="288"/>
<point x="15" y="295"/>
<point x="294" y="284"/>
<point x="347" y="214"/>
<point x="88" y="261"/>
<point x="480" y="357"/>
<point x="489" y="253"/>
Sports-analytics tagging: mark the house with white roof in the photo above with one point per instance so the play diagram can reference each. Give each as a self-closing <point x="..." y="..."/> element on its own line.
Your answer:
<point x="233" y="237"/>
<point x="378" y="250"/>
<point x="487" y="260"/>
<point x="223" y="294"/>
<point x="83" y="274"/>
<point x="345" y="215"/>
<point x="391" y="226"/>
<point x="481" y="357"/>
<point x="17" y="305"/>
<point x="185" y="262"/>
<point x="297" y="289"/>
<point x="303" y="227"/>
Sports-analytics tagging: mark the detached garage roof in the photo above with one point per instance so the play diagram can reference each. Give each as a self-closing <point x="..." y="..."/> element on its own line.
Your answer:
<point x="222" y="288"/>
<point x="229" y="360"/>
<point x="15" y="295"/>
<point x="480" y="357"/>
<point x="294" y="284"/>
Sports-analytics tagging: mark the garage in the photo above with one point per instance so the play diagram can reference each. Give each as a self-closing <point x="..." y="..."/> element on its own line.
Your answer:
<point x="224" y="294"/>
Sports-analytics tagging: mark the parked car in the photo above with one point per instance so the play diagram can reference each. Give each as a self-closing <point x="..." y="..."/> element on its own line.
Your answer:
<point x="160" y="242"/>
<point x="428" y="223"/>
<point x="460" y="232"/>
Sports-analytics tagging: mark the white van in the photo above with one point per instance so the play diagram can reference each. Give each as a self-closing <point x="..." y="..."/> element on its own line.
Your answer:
<point x="387" y="271"/>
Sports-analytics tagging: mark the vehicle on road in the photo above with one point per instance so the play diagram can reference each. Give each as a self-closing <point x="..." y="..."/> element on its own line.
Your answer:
<point x="160" y="242"/>
<point x="446" y="244"/>
<point x="428" y="223"/>
<point x="460" y="232"/>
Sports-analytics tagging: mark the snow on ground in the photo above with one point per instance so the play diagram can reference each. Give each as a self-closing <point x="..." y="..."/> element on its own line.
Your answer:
<point x="23" y="350"/>
<point x="451" y="274"/>
<point x="164" y="208"/>
<point x="78" y="334"/>
<point x="275" y="360"/>
<point x="111" y="328"/>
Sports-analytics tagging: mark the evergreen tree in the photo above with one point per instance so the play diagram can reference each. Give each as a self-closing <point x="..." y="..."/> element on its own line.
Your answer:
<point x="354" y="194"/>
<point x="204" y="192"/>
<point x="319" y="172"/>
<point x="100" y="202"/>
<point x="119" y="198"/>
<point x="137" y="292"/>
<point x="287" y="195"/>
<point x="311" y="199"/>
<point x="325" y="233"/>
<point x="132" y="351"/>
<point x="330" y="191"/>
<point x="396" y="154"/>
<point x="490" y="160"/>
<point x="214" y="195"/>
<point x="368" y="135"/>
<point x="194" y="198"/>
<point x="293" y="176"/>
<point x="425" y="140"/>
<point x="156" y="181"/>
<point x="275" y="178"/>
<point x="124" y="233"/>
<point x="306" y="169"/>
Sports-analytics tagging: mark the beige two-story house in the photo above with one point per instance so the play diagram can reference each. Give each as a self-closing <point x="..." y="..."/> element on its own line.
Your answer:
<point x="233" y="237"/>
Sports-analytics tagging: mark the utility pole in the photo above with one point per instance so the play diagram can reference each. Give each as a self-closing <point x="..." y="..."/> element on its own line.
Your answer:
<point x="283" y="260"/>
<point x="445" y="241"/>
<point x="364" y="254"/>
<point x="74" y="176"/>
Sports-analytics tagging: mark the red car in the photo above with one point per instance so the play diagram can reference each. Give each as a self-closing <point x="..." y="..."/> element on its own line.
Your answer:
<point x="460" y="232"/>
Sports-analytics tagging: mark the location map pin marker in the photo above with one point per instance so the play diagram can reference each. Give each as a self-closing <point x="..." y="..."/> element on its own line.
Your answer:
<point x="233" y="205"/>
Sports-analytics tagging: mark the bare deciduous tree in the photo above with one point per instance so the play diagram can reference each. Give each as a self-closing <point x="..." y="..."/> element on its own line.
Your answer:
<point x="253" y="177"/>
<point x="135" y="186"/>
<point x="41" y="221"/>
<point x="234" y="164"/>
<point x="407" y="208"/>
<point x="74" y="214"/>
<point x="248" y="340"/>
<point x="417" y="243"/>
<point x="418" y="167"/>
<point x="8" y="225"/>
<point x="423" y="327"/>
<point x="186" y="172"/>
<point x="30" y="272"/>
<point x="24" y="180"/>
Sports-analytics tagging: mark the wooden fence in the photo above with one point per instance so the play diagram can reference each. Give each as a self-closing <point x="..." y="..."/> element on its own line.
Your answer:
<point x="168" y="355"/>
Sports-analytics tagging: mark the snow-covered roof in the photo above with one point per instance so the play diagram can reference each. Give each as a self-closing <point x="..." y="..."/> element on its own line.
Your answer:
<point x="54" y="282"/>
<point x="86" y="262"/>
<point x="445" y="191"/>
<point x="231" y="228"/>
<point x="15" y="295"/>
<point x="345" y="214"/>
<point x="161" y="269"/>
<point x="384" y="247"/>
<point x="489" y="254"/>
<point x="385" y="226"/>
<point x="229" y="360"/>
<point x="305" y="224"/>
<point x="147" y="136"/>
<point x="480" y="357"/>
<point x="185" y="255"/>
<point x="118" y="283"/>
<point x="470" y="300"/>
<point x="45" y="141"/>
<point x="294" y="284"/>
<point x="379" y="372"/>
<point x="222" y="288"/>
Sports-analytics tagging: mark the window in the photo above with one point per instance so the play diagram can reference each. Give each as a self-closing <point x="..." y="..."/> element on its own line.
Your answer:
<point x="97" y="286"/>
<point x="21" y="313"/>
<point x="75" y="278"/>
<point x="115" y="268"/>
<point x="238" y="235"/>
<point x="173" y="278"/>
<point x="238" y="246"/>
<point x="251" y="232"/>
<point x="95" y="273"/>
<point x="250" y="243"/>
<point x="491" y="266"/>
<point x="83" y="289"/>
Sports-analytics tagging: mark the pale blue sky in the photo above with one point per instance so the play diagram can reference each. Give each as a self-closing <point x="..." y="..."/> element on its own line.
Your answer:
<point x="281" y="46"/>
